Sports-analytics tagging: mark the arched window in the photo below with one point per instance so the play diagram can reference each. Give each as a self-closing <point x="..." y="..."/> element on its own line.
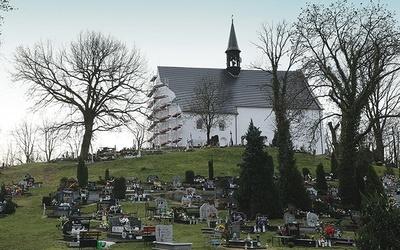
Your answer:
<point x="221" y="126"/>
<point x="199" y="124"/>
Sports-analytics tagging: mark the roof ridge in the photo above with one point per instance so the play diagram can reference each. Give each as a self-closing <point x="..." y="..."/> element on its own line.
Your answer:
<point x="185" y="67"/>
<point x="189" y="67"/>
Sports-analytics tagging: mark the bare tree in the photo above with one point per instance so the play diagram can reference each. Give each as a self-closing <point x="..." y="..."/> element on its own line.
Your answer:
<point x="25" y="136"/>
<point x="51" y="137"/>
<point x="350" y="51"/>
<point x="208" y="101"/>
<point x="139" y="132"/>
<point x="383" y="104"/>
<point x="9" y="159"/>
<point x="276" y="44"/>
<point x="98" y="82"/>
<point x="73" y="140"/>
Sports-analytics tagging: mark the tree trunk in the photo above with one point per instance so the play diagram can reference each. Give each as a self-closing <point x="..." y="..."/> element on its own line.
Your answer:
<point x="208" y="132"/>
<point x="87" y="137"/>
<point x="349" y="192"/>
<point x="379" y="151"/>
<point x="335" y="142"/>
<point x="335" y="151"/>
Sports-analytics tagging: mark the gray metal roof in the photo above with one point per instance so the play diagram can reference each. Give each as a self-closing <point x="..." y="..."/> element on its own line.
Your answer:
<point x="249" y="89"/>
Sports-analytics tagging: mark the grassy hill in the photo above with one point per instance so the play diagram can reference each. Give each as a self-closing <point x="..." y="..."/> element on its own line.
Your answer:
<point x="165" y="165"/>
<point x="26" y="229"/>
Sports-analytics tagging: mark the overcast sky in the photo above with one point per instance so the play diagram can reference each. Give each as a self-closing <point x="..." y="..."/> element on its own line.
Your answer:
<point x="182" y="33"/>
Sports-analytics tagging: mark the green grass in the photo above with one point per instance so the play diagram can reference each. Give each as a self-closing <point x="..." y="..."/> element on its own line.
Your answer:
<point x="26" y="229"/>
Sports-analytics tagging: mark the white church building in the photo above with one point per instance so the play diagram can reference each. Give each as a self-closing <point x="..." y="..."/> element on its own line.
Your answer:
<point x="172" y="124"/>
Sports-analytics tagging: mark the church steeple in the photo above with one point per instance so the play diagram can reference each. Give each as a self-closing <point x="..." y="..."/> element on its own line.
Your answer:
<point x="233" y="59"/>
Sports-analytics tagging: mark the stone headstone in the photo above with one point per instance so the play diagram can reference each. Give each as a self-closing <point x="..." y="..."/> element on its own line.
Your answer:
<point x="207" y="211"/>
<point x="289" y="218"/>
<point x="235" y="230"/>
<point x="203" y="211"/>
<point x="161" y="203"/>
<point x="164" y="233"/>
<point x="312" y="219"/>
<point x="177" y="181"/>
<point x="186" y="200"/>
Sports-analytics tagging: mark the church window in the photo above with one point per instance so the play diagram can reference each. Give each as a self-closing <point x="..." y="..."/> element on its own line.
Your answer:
<point x="199" y="124"/>
<point x="221" y="126"/>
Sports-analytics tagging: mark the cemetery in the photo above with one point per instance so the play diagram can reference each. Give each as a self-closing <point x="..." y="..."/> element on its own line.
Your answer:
<point x="164" y="205"/>
<point x="172" y="214"/>
<point x="212" y="210"/>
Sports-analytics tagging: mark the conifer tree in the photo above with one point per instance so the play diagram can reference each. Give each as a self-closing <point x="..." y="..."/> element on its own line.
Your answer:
<point x="291" y="182"/>
<point x="211" y="169"/>
<point x="107" y="175"/>
<point x="257" y="192"/>
<point x="321" y="181"/>
<point x="119" y="189"/>
<point x="373" y="184"/>
<point x="379" y="224"/>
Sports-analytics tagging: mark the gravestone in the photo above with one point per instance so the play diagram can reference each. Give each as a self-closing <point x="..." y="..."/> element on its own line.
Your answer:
<point x="72" y="227"/>
<point x="186" y="200"/>
<point x="164" y="233"/>
<point x="205" y="211"/>
<point x="66" y="196"/>
<point x="212" y="216"/>
<point x="261" y="223"/>
<point x="177" y="182"/>
<point x="94" y="195"/>
<point x="161" y="206"/>
<point x="210" y="184"/>
<point x="123" y="226"/>
<point x="312" y="220"/>
<point x="235" y="230"/>
<point x="161" y="203"/>
<point x="238" y="217"/>
<point x="288" y="217"/>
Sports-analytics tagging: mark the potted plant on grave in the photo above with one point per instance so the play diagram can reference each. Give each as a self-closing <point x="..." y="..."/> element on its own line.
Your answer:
<point x="226" y="234"/>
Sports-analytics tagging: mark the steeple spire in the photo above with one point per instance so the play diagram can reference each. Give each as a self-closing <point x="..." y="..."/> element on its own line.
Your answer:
<point x="232" y="43"/>
<point x="233" y="59"/>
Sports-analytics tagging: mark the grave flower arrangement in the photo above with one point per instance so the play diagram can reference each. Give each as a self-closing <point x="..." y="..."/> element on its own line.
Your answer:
<point x="330" y="232"/>
<point x="183" y="216"/>
<point x="213" y="215"/>
<point x="169" y="213"/>
<point x="225" y="233"/>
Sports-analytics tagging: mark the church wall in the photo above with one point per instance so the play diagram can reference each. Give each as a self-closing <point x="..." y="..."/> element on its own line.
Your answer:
<point x="199" y="137"/>
<point x="264" y="119"/>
